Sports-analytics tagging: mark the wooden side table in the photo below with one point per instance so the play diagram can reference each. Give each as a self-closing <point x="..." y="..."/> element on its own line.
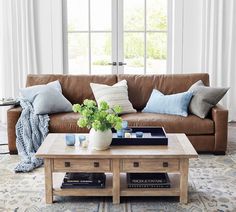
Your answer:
<point x="4" y="103"/>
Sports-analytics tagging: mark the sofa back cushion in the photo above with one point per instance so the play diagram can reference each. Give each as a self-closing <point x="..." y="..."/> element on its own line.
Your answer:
<point x="140" y="86"/>
<point x="75" y="88"/>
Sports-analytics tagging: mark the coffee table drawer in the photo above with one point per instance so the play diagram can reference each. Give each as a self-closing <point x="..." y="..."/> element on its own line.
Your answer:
<point x="150" y="165"/>
<point x="82" y="165"/>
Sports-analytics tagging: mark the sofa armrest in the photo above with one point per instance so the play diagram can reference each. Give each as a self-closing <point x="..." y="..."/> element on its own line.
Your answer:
<point x="13" y="115"/>
<point x="220" y="118"/>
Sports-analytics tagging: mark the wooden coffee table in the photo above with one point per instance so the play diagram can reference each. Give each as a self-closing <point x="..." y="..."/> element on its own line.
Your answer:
<point x="118" y="160"/>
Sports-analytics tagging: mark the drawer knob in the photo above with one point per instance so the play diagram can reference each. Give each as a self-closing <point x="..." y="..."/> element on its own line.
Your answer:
<point x="96" y="164"/>
<point x="136" y="164"/>
<point x="67" y="164"/>
<point x="165" y="164"/>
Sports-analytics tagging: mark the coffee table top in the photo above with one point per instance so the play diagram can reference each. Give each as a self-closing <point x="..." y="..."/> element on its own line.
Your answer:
<point x="54" y="146"/>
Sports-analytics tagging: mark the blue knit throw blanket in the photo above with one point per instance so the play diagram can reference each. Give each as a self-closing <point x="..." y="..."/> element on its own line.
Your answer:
<point x="31" y="130"/>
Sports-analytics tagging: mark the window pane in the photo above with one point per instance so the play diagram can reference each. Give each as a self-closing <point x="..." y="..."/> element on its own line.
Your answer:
<point x="156" y="53"/>
<point x="78" y="53"/>
<point x="100" y="14"/>
<point x="134" y="53"/>
<point x="133" y="14"/>
<point x="156" y="14"/>
<point x="101" y="53"/>
<point x="77" y="15"/>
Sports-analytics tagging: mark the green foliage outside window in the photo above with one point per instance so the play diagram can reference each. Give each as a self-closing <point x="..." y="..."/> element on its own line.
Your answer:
<point x="133" y="42"/>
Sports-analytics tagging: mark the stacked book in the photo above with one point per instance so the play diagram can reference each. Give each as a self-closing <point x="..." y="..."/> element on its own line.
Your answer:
<point x="84" y="180"/>
<point x="148" y="180"/>
<point x="9" y="101"/>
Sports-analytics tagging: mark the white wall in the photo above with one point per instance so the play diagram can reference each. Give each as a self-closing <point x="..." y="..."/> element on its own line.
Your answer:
<point x="49" y="36"/>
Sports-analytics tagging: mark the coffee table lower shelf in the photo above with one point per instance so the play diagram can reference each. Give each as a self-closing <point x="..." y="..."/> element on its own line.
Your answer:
<point x="124" y="191"/>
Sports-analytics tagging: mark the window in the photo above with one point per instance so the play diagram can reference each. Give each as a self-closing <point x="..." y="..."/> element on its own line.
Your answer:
<point x="116" y="36"/>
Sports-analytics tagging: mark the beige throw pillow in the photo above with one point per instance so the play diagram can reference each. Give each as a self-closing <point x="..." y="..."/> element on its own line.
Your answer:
<point x="113" y="95"/>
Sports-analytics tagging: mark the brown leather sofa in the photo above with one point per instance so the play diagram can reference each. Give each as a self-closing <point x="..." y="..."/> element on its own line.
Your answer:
<point x="206" y="135"/>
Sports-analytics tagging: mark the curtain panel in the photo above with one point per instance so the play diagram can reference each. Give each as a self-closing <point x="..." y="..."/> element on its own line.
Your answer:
<point x="203" y="39"/>
<point x="18" y="52"/>
<point x="219" y="48"/>
<point x="31" y="40"/>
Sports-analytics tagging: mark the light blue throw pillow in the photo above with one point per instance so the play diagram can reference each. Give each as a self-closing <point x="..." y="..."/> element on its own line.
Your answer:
<point x="31" y="92"/>
<point x="175" y="104"/>
<point x="51" y="101"/>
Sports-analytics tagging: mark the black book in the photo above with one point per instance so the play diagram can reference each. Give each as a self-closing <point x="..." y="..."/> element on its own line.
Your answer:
<point x="85" y="183"/>
<point x="84" y="180"/>
<point x="84" y="177"/>
<point x="165" y="185"/>
<point x="147" y="178"/>
<point x="71" y="185"/>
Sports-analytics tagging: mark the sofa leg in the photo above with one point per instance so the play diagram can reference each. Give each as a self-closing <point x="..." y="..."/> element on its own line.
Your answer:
<point x="13" y="152"/>
<point x="219" y="153"/>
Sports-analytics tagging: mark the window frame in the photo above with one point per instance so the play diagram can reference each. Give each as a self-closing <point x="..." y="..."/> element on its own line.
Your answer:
<point x="118" y="55"/>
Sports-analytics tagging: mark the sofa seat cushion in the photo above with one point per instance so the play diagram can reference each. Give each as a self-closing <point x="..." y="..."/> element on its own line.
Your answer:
<point x="190" y="125"/>
<point x="65" y="123"/>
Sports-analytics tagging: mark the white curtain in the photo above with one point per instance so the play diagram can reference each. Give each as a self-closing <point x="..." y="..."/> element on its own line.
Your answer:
<point x="203" y="39"/>
<point x="17" y="46"/>
<point x="219" y="48"/>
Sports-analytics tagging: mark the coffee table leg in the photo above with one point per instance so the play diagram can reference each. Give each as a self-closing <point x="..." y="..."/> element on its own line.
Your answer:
<point x="184" y="163"/>
<point x="116" y="181"/>
<point x="48" y="181"/>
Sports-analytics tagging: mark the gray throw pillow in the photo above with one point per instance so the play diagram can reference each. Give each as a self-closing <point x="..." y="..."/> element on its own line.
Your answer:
<point x="31" y="92"/>
<point x="204" y="98"/>
<point x="51" y="101"/>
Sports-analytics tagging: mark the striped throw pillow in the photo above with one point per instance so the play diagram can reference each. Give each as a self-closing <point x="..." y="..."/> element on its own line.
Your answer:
<point x="113" y="95"/>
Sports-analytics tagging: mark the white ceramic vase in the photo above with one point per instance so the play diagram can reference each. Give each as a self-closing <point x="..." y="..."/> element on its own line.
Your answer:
<point x="100" y="140"/>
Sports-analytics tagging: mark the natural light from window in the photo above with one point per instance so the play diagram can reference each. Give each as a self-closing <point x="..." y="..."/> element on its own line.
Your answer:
<point x="96" y="38"/>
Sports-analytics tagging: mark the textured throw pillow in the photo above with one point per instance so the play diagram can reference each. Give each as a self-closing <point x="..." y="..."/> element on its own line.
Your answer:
<point x="51" y="101"/>
<point x="31" y="92"/>
<point x="204" y="98"/>
<point x="175" y="104"/>
<point x="113" y="95"/>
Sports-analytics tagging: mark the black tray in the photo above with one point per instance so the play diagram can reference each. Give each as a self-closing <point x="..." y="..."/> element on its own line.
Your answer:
<point x="151" y="136"/>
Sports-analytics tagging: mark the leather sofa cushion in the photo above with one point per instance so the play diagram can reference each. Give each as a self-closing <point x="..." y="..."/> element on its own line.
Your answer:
<point x="75" y="88"/>
<point x="191" y="125"/>
<point x="140" y="86"/>
<point x="65" y="123"/>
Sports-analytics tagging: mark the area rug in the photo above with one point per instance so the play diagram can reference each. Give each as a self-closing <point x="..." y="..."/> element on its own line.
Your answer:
<point x="212" y="187"/>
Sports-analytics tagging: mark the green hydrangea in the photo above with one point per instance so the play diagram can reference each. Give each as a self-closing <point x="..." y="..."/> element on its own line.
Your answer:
<point x="103" y="105"/>
<point x="96" y="125"/>
<point x="117" y="109"/>
<point x="82" y="122"/>
<point x="89" y="103"/>
<point x="100" y="118"/>
<point x="76" y="108"/>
